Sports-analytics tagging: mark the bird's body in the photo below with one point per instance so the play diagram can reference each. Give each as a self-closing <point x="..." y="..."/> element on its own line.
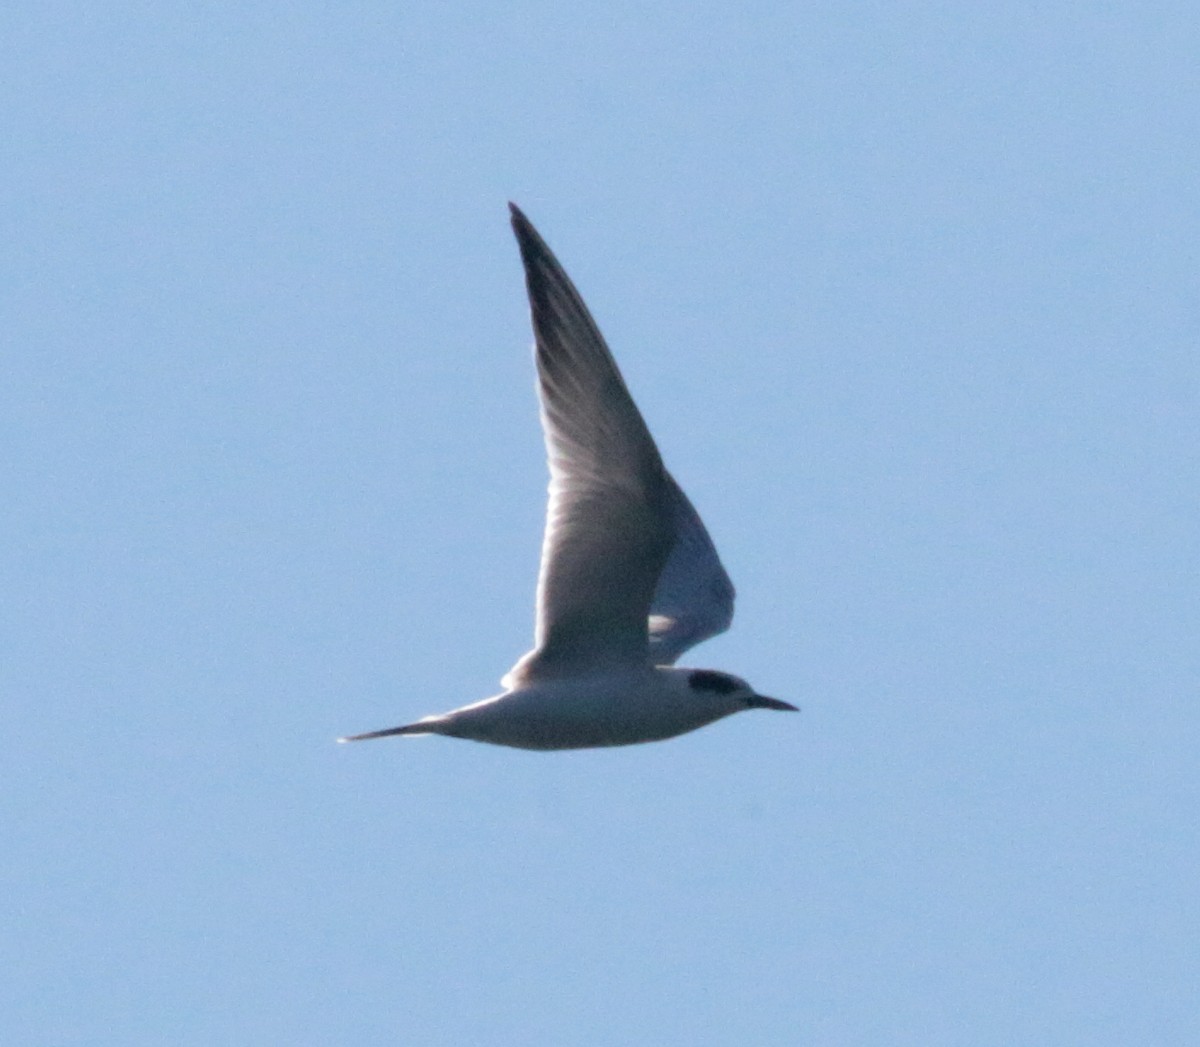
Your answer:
<point x="645" y="704"/>
<point x="629" y="577"/>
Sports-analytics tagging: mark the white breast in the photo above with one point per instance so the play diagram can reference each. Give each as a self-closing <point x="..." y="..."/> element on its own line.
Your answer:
<point x="621" y="708"/>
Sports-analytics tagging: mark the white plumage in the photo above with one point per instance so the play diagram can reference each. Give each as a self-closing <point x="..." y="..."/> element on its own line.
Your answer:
<point x="629" y="577"/>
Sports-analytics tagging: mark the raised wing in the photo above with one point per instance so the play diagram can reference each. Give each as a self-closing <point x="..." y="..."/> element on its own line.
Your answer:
<point x="694" y="597"/>
<point x="610" y="524"/>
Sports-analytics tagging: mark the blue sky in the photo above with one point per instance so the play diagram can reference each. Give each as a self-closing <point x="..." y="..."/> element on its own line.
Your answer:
<point x="908" y="295"/>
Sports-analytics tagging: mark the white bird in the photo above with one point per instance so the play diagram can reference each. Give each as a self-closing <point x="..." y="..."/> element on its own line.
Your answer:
<point x="629" y="577"/>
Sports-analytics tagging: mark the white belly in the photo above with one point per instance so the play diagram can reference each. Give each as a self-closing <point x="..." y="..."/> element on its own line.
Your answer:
<point x="614" y="709"/>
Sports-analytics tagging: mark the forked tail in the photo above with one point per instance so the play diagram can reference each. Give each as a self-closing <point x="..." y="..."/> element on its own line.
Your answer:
<point x="408" y="728"/>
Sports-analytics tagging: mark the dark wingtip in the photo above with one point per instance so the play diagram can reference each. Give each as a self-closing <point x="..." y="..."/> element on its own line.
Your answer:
<point x="536" y="257"/>
<point x="522" y="226"/>
<point x="530" y="242"/>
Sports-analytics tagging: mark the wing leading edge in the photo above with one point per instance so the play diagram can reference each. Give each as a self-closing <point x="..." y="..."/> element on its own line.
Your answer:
<point x="628" y="573"/>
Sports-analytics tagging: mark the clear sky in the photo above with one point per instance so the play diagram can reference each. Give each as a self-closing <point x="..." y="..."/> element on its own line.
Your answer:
<point x="908" y="293"/>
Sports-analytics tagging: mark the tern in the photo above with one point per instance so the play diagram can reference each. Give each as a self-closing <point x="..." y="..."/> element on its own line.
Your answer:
<point x="629" y="577"/>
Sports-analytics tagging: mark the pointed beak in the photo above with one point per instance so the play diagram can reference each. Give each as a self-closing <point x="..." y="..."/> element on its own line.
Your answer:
<point x="761" y="702"/>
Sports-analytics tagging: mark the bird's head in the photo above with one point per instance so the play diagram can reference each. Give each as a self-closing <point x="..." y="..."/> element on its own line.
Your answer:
<point x="732" y="690"/>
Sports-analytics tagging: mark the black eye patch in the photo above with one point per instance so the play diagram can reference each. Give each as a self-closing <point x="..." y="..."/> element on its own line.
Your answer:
<point x="707" y="680"/>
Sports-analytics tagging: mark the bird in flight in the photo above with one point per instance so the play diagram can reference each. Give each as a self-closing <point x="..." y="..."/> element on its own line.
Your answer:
<point x="629" y="577"/>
